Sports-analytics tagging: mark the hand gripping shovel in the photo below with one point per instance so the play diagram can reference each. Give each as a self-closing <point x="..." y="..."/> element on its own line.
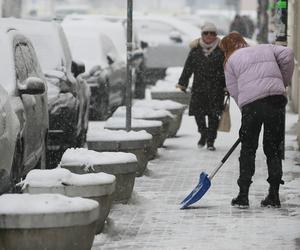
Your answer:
<point x="205" y="181"/>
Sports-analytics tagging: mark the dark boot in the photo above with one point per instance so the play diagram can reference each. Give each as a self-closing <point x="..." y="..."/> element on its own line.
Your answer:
<point x="242" y="200"/>
<point x="210" y="145"/>
<point x="202" y="141"/>
<point x="272" y="199"/>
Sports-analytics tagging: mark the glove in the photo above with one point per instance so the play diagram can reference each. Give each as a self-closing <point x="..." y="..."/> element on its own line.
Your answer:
<point x="182" y="88"/>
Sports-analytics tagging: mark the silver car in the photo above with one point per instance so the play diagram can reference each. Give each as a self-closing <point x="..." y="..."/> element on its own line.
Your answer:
<point x="24" y="132"/>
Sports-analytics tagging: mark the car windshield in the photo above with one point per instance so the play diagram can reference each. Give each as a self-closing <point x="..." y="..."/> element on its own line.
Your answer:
<point x="87" y="47"/>
<point x="49" y="53"/>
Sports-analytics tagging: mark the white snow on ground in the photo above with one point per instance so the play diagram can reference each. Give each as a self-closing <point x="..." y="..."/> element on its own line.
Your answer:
<point x="153" y="220"/>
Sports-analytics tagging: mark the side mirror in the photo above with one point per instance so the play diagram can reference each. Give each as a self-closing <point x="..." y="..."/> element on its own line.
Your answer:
<point x="109" y="58"/>
<point x="137" y="55"/>
<point x="77" y="68"/>
<point x="175" y="36"/>
<point x="144" y="45"/>
<point x="32" y="86"/>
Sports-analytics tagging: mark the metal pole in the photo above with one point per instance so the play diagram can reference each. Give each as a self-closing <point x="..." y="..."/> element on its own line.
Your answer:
<point x="129" y="72"/>
<point x="281" y="39"/>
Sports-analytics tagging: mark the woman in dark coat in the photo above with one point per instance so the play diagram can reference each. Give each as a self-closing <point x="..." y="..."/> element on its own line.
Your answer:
<point x="205" y="61"/>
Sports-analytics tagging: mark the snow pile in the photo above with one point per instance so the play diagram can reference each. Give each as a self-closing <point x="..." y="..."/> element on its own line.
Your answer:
<point x="118" y="122"/>
<point x="83" y="156"/>
<point x="95" y="134"/>
<point x="43" y="203"/>
<point x="63" y="177"/>
<point x="142" y="113"/>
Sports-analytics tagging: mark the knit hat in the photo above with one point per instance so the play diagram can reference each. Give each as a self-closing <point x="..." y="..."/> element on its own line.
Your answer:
<point x="209" y="27"/>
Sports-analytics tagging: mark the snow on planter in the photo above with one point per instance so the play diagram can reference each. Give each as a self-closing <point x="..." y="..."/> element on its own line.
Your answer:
<point x="138" y="143"/>
<point x="149" y="113"/>
<point x="152" y="127"/>
<point x="47" y="221"/>
<point x="176" y="108"/>
<point x="165" y="90"/>
<point x="122" y="165"/>
<point x="96" y="186"/>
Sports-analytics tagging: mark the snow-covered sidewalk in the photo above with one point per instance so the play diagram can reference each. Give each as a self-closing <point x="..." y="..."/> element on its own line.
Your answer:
<point x="153" y="220"/>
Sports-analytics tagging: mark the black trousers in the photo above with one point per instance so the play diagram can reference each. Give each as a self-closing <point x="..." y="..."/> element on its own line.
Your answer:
<point x="209" y="130"/>
<point x="268" y="112"/>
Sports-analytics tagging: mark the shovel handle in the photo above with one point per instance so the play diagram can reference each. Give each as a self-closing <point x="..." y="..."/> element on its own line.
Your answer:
<point x="231" y="150"/>
<point x="225" y="158"/>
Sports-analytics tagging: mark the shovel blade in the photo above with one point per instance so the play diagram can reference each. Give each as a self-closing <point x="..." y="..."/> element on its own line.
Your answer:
<point x="197" y="193"/>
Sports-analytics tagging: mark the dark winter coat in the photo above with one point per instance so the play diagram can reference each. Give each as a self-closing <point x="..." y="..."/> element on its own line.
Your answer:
<point x="209" y="81"/>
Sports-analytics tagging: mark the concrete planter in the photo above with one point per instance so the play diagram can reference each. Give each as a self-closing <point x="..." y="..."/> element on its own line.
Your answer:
<point x="175" y="108"/>
<point x="100" y="189"/>
<point x="152" y="127"/>
<point x="177" y="96"/>
<point x="175" y="125"/>
<point x="124" y="171"/>
<point x="165" y="130"/>
<point x="137" y="143"/>
<point x="150" y="114"/>
<point x="47" y="221"/>
<point x="139" y="148"/>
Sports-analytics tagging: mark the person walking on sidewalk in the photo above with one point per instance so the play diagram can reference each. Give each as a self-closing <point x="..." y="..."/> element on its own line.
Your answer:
<point x="256" y="77"/>
<point x="205" y="61"/>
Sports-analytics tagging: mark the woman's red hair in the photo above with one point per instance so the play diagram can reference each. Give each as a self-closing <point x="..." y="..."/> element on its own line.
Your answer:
<point x="231" y="43"/>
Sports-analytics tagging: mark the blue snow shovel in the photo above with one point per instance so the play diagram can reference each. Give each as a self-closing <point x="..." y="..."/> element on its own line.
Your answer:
<point x="205" y="181"/>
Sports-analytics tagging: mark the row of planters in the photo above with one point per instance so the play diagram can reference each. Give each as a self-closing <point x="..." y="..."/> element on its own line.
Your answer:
<point x="63" y="208"/>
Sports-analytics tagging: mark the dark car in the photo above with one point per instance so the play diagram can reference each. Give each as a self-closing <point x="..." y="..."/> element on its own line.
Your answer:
<point x="23" y="108"/>
<point x="105" y="69"/>
<point x="68" y="97"/>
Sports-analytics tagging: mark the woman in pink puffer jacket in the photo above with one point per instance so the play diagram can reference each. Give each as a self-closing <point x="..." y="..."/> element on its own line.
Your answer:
<point x="256" y="77"/>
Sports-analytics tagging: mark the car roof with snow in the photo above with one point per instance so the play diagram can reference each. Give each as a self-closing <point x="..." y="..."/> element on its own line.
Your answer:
<point x="115" y="30"/>
<point x="45" y="39"/>
<point x="91" y="44"/>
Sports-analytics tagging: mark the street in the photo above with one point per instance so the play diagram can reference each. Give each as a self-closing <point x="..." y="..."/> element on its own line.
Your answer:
<point x="153" y="220"/>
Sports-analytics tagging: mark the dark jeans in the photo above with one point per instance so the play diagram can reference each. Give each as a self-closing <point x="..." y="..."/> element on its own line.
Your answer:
<point x="268" y="112"/>
<point x="209" y="130"/>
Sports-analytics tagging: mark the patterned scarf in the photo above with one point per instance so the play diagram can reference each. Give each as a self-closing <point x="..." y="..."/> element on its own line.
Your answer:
<point x="209" y="48"/>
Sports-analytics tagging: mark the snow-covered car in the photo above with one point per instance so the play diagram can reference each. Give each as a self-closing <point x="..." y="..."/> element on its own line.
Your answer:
<point x="23" y="108"/>
<point x="105" y="69"/>
<point x="68" y="97"/>
<point x="167" y="40"/>
<point x="115" y="28"/>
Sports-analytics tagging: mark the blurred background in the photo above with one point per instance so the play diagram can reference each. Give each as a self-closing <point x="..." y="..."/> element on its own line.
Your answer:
<point x="257" y="13"/>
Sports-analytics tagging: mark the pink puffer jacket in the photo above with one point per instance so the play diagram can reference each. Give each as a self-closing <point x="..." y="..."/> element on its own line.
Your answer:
<point x="256" y="72"/>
